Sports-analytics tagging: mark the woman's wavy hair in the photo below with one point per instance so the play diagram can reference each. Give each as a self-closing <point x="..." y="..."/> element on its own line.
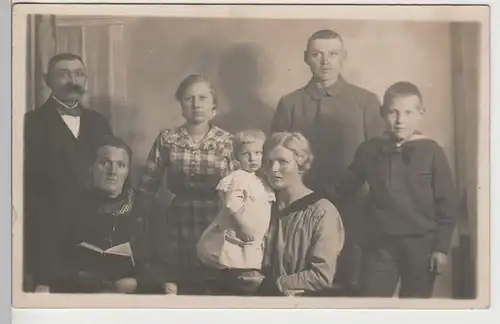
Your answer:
<point x="295" y="142"/>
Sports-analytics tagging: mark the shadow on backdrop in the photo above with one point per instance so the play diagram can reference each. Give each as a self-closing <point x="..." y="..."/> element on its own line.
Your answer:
<point x="242" y="71"/>
<point x="121" y="117"/>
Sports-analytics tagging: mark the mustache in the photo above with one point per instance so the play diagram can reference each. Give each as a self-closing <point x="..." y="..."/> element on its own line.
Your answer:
<point x="72" y="87"/>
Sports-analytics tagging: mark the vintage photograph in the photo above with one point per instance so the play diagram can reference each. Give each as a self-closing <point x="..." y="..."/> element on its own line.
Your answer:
<point x="250" y="151"/>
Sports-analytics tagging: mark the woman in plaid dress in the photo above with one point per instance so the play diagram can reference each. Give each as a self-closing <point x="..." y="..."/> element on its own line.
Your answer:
<point x="194" y="158"/>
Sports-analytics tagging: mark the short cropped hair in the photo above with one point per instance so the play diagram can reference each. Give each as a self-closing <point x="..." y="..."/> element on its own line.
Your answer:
<point x="295" y="142"/>
<point x="248" y="136"/>
<point x="324" y="34"/>
<point x="62" y="57"/>
<point x="400" y="89"/>
<point x="193" y="79"/>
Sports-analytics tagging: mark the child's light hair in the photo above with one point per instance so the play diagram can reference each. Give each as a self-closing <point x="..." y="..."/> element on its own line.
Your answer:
<point x="295" y="142"/>
<point x="248" y="136"/>
<point x="400" y="89"/>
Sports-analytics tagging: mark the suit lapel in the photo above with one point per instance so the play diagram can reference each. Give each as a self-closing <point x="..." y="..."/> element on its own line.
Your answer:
<point x="64" y="141"/>
<point x="56" y="121"/>
<point x="85" y="126"/>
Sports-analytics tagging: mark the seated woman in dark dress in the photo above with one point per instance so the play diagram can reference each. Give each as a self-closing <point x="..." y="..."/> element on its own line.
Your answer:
<point x="306" y="233"/>
<point x="114" y="220"/>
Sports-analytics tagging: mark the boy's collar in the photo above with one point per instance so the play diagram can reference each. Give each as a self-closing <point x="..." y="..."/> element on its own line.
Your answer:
<point x="394" y="145"/>
<point x="417" y="135"/>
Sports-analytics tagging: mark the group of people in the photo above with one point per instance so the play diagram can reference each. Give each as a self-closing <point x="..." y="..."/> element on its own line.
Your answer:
<point x="276" y="214"/>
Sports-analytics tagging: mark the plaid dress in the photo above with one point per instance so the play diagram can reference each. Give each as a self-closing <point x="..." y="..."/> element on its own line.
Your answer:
<point x="192" y="172"/>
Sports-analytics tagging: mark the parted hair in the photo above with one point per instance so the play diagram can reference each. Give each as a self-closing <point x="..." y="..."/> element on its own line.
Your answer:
<point x="112" y="141"/>
<point x="295" y="142"/>
<point x="193" y="79"/>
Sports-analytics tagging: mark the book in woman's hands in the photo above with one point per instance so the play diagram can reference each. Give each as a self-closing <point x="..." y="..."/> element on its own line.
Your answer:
<point x="117" y="261"/>
<point x="122" y="249"/>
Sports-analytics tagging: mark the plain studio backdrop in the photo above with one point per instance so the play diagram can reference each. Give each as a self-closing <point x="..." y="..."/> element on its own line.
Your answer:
<point x="135" y="65"/>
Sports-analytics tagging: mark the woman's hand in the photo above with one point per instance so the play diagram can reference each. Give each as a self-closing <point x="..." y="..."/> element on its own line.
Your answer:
<point x="244" y="237"/>
<point x="263" y="285"/>
<point x="293" y="293"/>
<point x="231" y="233"/>
<point x="170" y="288"/>
<point x="126" y="285"/>
<point x="42" y="289"/>
<point x="234" y="200"/>
<point x="438" y="262"/>
<point x="252" y="283"/>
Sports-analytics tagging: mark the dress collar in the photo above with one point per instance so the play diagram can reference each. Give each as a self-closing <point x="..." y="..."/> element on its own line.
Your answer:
<point x="187" y="137"/>
<point x="299" y="204"/>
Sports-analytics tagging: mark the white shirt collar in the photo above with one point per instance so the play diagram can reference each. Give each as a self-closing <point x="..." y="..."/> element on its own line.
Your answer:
<point x="63" y="104"/>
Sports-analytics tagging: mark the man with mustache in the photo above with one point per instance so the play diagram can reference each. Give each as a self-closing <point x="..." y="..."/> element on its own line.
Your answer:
<point x="59" y="139"/>
<point x="335" y="116"/>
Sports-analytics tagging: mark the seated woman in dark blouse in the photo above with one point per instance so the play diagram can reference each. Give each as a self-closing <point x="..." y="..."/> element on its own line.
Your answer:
<point x="306" y="233"/>
<point x="114" y="219"/>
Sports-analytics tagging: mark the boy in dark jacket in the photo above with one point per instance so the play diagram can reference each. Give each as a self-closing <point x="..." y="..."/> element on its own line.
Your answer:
<point x="412" y="207"/>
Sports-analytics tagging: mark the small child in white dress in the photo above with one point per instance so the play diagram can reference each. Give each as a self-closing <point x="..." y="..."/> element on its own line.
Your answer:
<point x="234" y="242"/>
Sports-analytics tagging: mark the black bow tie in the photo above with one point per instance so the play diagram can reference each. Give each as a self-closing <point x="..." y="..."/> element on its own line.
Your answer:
<point x="75" y="112"/>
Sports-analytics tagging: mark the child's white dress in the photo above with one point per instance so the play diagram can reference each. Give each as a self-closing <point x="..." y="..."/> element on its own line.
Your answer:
<point x="246" y="200"/>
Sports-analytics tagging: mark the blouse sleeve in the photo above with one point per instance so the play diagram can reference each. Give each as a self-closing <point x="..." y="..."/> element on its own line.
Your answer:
<point x="326" y="243"/>
<point x="225" y="184"/>
<point x="155" y="166"/>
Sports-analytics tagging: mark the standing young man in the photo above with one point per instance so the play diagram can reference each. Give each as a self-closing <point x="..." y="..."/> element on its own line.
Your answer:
<point x="335" y="116"/>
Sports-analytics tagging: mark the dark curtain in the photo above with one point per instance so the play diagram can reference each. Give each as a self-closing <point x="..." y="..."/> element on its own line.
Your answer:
<point x="41" y="46"/>
<point x="465" y="89"/>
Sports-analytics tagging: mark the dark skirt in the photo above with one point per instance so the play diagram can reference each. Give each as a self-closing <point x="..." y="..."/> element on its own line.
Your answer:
<point x="186" y="222"/>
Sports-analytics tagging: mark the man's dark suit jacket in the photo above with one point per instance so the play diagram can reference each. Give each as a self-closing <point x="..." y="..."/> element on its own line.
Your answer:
<point x="56" y="170"/>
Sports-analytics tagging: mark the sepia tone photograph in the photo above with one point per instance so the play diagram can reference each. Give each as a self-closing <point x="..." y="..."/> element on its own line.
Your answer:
<point x="250" y="156"/>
